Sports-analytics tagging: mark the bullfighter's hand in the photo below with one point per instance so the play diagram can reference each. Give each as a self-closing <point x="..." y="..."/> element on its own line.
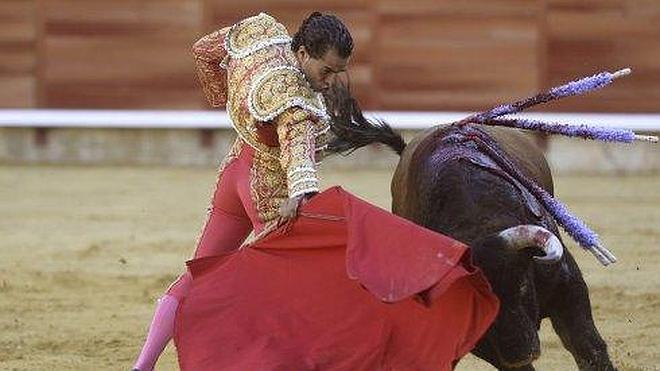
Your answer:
<point x="289" y="208"/>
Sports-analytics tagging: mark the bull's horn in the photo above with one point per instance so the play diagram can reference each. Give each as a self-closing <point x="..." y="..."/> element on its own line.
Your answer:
<point x="522" y="236"/>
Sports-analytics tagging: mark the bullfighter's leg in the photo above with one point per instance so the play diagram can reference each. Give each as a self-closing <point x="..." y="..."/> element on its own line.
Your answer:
<point x="226" y="227"/>
<point x="572" y="320"/>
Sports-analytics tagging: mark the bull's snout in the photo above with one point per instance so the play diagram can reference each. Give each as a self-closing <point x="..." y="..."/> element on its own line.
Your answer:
<point x="523" y="236"/>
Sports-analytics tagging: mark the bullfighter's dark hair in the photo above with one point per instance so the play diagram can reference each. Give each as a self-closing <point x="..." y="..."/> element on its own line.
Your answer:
<point x="320" y="32"/>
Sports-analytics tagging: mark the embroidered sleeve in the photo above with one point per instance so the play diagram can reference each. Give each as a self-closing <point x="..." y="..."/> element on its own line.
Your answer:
<point x="295" y="129"/>
<point x="210" y="58"/>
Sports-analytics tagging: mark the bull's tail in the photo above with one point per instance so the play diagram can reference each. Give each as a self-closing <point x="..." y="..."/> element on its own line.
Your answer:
<point x="352" y="130"/>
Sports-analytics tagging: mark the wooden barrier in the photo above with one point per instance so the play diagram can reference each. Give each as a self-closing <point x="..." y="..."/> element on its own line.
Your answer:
<point x="409" y="55"/>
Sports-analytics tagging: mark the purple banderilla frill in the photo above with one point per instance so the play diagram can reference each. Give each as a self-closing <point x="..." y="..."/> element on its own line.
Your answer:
<point x="579" y="231"/>
<point x="577" y="87"/>
<point x="571" y="224"/>
<point x="581" y="131"/>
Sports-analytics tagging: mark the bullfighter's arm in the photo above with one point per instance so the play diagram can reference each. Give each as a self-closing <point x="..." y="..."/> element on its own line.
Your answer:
<point x="209" y="53"/>
<point x="295" y="130"/>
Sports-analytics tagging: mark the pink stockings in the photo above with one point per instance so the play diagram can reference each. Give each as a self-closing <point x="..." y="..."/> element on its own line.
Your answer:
<point x="160" y="333"/>
<point x="231" y="218"/>
<point x="222" y="234"/>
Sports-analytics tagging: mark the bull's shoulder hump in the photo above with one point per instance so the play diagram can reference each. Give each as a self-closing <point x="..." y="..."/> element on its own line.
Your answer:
<point x="526" y="154"/>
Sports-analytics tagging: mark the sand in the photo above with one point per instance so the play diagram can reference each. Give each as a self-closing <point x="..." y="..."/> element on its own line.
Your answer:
<point x="86" y="252"/>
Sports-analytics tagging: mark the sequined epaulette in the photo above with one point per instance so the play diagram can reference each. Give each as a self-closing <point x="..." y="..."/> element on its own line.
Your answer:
<point x="280" y="88"/>
<point x="255" y="33"/>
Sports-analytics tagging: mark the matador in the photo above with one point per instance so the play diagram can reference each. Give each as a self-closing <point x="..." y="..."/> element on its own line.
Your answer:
<point x="272" y="86"/>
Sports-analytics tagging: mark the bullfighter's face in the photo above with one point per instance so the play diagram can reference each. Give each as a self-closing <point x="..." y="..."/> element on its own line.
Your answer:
<point x="322" y="73"/>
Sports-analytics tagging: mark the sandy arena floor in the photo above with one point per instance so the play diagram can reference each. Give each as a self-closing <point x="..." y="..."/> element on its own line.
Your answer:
<point x="86" y="251"/>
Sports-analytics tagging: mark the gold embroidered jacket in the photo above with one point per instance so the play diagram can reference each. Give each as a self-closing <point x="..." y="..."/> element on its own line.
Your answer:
<point x="250" y="67"/>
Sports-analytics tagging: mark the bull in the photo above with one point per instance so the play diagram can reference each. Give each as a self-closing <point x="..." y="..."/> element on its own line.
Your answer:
<point x="447" y="181"/>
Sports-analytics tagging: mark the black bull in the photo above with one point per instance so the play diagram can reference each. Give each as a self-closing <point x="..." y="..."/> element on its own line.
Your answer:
<point x="456" y="189"/>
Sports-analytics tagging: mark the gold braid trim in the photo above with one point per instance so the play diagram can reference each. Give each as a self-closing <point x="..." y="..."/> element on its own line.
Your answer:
<point x="280" y="88"/>
<point x="293" y="172"/>
<point x="255" y="33"/>
<point x="209" y="54"/>
<point x="241" y="75"/>
<point x="267" y="186"/>
<point x="297" y="135"/>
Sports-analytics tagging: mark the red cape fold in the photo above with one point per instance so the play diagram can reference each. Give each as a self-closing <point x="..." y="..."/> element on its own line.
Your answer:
<point x="346" y="286"/>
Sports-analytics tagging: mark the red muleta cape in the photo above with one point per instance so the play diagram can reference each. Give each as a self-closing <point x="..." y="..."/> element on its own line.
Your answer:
<point x="346" y="286"/>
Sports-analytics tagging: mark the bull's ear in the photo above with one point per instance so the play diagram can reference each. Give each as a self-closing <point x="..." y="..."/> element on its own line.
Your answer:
<point x="487" y="249"/>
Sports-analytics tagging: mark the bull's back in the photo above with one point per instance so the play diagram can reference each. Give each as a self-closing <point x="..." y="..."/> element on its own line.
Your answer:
<point x="518" y="146"/>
